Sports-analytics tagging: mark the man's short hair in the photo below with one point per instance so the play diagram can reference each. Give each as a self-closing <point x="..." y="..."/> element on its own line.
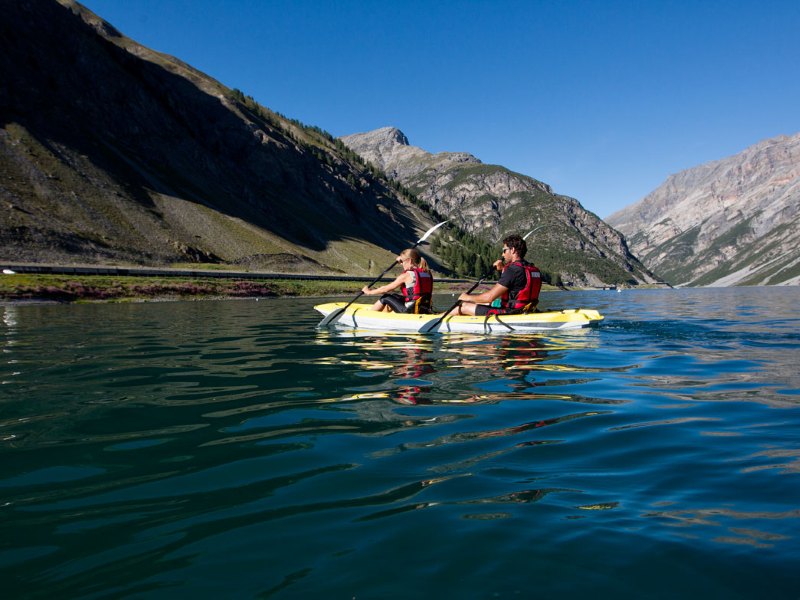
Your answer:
<point x="518" y="244"/>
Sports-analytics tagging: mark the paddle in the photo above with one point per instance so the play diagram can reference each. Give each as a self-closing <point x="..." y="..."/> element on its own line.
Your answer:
<point x="334" y="316"/>
<point x="431" y="325"/>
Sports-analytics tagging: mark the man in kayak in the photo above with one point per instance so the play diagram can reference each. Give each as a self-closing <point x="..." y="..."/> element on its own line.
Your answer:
<point x="415" y="283"/>
<point x="518" y="286"/>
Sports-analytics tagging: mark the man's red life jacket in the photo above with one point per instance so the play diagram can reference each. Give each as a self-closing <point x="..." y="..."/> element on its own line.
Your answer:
<point x="520" y="299"/>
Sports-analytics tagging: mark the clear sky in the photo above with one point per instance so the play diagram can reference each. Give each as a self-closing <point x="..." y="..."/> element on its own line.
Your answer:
<point x="601" y="99"/>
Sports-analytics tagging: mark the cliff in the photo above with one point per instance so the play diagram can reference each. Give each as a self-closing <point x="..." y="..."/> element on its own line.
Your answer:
<point x="729" y="222"/>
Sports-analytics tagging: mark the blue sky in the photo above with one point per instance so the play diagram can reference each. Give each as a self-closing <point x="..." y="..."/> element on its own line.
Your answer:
<point x="600" y="99"/>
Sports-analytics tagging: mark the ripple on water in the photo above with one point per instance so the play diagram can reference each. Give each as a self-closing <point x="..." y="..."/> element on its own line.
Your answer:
<point x="221" y="448"/>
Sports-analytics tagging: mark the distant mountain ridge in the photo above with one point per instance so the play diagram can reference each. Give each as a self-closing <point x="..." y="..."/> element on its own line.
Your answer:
<point x="734" y="221"/>
<point x="492" y="201"/>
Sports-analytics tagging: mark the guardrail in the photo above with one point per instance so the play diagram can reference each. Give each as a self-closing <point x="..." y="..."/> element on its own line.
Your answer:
<point x="193" y="273"/>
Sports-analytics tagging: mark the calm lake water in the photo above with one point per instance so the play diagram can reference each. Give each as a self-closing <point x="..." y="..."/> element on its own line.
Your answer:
<point x="229" y="450"/>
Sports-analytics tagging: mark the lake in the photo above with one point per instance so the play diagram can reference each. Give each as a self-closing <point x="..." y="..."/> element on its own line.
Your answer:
<point x="228" y="449"/>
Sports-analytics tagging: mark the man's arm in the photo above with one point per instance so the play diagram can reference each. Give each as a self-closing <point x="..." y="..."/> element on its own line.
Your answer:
<point x="486" y="297"/>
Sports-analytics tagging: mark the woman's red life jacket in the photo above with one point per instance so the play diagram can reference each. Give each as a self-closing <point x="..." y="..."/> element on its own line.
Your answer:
<point x="519" y="299"/>
<point x="423" y="287"/>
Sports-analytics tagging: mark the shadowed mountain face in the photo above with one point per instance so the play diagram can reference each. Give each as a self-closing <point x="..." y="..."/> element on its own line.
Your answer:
<point x="728" y="222"/>
<point x="110" y="152"/>
<point x="492" y="201"/>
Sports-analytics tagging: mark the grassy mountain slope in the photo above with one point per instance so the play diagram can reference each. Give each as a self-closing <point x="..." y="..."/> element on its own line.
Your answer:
<point x="113" y="153"/>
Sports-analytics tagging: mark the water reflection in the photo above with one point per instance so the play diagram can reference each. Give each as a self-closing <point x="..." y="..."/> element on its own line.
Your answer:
<point x="9" y="330"/>
<point x="421" y="369"/>
<point x="720" y="522"/>
<point x="415" y="363"/>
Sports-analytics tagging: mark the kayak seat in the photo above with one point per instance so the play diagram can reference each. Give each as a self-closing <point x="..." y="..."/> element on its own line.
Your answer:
<point x="422" y="306"/>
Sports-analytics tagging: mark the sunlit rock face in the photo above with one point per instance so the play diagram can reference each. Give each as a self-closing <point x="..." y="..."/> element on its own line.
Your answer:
<point x="491" y="201"/>
<point x="735" y="221"/>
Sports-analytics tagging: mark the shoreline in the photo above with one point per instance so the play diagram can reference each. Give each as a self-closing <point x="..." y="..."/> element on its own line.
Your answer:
<point x="24" y="288"/>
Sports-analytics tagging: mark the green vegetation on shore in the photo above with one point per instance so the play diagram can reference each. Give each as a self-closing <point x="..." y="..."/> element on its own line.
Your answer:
<point x="68" y="288"/>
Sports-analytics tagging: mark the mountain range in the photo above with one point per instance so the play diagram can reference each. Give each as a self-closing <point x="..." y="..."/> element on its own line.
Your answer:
<point x="113" y="153"/>
<point x="493" y="201"/>
<point x="734" y="221"/>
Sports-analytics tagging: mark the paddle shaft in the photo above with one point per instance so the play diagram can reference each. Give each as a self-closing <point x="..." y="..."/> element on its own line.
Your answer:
<point x="339" y="312"/>
<point x="434" y="324"/>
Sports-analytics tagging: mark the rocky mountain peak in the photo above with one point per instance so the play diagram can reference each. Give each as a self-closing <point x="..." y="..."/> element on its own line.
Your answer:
<point x="393" y="134"/>
<point x="389" y="149"/>
<point x="385" y="137"/>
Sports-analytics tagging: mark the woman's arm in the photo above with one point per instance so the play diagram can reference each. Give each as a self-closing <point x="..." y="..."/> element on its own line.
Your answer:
<point x="401" y="280"/>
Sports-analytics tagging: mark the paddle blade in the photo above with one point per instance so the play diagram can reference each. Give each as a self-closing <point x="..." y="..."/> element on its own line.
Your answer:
<point x="525" y="237"/>
<point x="431" y="325"/>
<point x="429" y="232"/>
<point x="331" y="318"/>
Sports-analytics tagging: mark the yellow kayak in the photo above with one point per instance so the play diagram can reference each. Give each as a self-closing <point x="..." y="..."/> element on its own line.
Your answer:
<point x="361" y="316"/>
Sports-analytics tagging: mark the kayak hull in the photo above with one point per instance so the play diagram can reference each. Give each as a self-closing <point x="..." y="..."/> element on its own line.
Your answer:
<point x="361" y="316"/>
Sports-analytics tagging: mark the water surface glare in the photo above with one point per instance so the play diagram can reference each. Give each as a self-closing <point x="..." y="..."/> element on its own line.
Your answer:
<point x="228" y="449"/>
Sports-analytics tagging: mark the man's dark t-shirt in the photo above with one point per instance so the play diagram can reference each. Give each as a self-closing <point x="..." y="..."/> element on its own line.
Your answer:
<point x="513" y="278"/>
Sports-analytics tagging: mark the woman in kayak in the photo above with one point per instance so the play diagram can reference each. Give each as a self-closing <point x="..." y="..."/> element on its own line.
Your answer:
<point x="415" y="283"/>
<point x="517" y="289"/>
